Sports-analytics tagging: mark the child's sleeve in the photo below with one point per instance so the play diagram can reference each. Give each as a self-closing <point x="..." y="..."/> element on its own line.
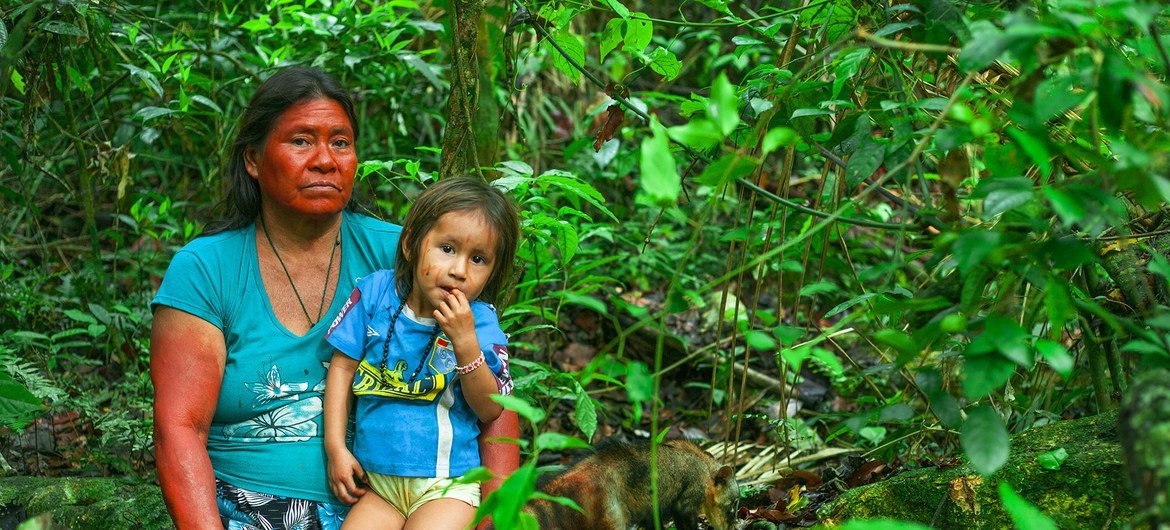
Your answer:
<point x="347" y="333"/>
<point x="494" y="345"/>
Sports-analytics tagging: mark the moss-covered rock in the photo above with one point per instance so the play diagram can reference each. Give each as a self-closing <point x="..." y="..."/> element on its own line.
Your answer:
<point x="99" y="503"/>
<point x="1089" y="489"/>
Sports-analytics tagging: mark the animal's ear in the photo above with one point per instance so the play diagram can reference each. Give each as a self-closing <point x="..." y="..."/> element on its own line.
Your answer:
<point x="724" y="475"/>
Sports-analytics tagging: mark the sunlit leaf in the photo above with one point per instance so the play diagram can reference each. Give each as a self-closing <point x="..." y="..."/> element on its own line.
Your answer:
<point x="724" y="108"/>
<point x="639" y="30"/>
<point x="984" y="374"/>
<point x="574" y="48"/>
<point x="1023" y="513"/>
<point x="611" y="36"/>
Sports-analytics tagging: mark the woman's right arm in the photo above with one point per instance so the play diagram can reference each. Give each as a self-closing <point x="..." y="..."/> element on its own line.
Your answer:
<point x="187" y="356"/>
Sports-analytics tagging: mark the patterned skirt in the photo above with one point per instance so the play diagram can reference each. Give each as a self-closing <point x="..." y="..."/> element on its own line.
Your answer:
<point x="240" y="509"/>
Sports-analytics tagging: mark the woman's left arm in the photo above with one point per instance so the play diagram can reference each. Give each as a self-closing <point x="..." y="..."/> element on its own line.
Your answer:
<point x="502" y="458"/>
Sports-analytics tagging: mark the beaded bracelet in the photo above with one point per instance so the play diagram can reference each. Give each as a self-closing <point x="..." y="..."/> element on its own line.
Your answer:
<point x="464" y="370"/>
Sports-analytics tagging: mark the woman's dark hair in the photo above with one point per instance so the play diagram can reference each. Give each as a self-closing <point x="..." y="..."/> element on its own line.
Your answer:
<point x="281" y="91"/>
<point x="458" y="194"/>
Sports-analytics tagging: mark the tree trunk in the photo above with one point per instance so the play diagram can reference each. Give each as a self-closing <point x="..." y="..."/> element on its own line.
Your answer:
<point x="460" y="139"/>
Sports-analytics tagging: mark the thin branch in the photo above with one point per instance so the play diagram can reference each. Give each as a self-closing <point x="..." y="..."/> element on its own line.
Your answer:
<point x="882" y="42"/>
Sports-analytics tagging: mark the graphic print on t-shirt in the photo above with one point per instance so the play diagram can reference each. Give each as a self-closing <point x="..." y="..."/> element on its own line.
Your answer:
<point x="394" y="381"/>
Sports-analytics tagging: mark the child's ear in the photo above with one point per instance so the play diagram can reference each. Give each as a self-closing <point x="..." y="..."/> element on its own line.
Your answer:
<point x="404" y="240"/>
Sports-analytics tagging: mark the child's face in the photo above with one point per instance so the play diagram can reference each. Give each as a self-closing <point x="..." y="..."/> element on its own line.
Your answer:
<point x="459" y="252"/>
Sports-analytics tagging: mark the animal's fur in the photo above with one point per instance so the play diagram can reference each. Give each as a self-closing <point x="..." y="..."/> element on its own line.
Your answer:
<point x="612" y="486"/>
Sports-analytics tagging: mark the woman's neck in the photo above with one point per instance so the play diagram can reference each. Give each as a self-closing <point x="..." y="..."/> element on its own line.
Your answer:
<point x="298" y="231"/>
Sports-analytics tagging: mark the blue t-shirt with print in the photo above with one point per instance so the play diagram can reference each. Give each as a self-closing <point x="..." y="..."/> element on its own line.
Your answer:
<point x="267" y="432"/>
<point x="411" y="419"/>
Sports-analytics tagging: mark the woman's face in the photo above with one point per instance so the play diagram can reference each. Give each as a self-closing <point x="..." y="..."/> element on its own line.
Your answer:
<point x="307" y="163"/>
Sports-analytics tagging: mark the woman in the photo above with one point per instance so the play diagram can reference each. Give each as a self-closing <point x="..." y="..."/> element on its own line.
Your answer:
<point x="238" y="358"/>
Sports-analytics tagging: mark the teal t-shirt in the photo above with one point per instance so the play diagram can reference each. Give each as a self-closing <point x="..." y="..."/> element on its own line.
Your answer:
<point x="267" y="434"/>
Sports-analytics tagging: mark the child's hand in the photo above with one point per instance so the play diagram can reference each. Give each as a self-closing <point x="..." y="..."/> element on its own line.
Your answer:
<point x="342" y="470"/>
<point x="455" y="317"/>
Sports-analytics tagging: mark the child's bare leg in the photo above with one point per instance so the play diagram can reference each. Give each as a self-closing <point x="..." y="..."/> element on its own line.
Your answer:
<point x="441" y="514"/>
<point x="372" y="511"/>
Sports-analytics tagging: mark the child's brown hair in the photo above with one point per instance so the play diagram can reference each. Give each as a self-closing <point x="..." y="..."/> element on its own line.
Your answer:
<point x="458" y="194"/>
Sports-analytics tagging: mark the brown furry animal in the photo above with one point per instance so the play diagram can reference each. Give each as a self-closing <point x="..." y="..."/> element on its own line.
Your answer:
<point x="612" y="486"/>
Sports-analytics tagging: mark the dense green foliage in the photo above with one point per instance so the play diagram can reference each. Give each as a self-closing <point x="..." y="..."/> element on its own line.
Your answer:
<point x="950" y="211"/>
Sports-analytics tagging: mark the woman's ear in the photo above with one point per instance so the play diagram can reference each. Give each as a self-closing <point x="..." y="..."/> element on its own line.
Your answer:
<point x="250" y="162"/>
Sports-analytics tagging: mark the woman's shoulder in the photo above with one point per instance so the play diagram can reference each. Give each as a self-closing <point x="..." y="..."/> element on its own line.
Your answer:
<point x="219" y="243"/>
<point x="371" y="225"/>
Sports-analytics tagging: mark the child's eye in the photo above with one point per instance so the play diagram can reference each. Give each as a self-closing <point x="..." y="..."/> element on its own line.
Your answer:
<point x="447" y="248"/>
<point x="479" y="260"/>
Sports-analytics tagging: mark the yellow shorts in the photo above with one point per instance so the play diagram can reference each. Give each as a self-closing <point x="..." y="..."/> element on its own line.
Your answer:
<point x="407" y="494"/>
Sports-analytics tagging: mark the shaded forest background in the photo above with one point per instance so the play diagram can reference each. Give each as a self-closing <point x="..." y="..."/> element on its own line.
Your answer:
<point x="901" y="230"/>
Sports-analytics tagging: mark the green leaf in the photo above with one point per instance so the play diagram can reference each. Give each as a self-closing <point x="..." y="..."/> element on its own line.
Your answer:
<point x="1059" y="302"/>
<point x="505" y="503"/>
<point x="829" y="361"/>
<point x="985" y="440"/>
<point x="699" y="133"/>
<point x="80" y="316"/>
<point x="972" y="247"/>
<point x="718" y="5"/>
<point x="257" y="24"/>
<point x="18" y="406"/>
<point x="1052" y="459"/>
<point x="900" y="341"/>
<point x="1067" y="206"/>
<point x="63" y="28"/>
<point x="778" y="137"/>
<point x="726" y="170"/>
<point x="148" y="113"/>
<point x="1057" y="356"/>
<point x="1056" y="95"/>
<point x="583" y="300"/>
<point x="574" y="48"/>
<point x="864" y="161"/>
<point x="1035" y="148"/>
<point x="986" y="44"/>
<point x="664" y="63"/>
<point x="723" y="107"/>
<point x="585" y="414"/>
<point x="1009" y="339"/>
<point x="660" y="179"/>
<point x="848" y="64"/>
<point x="760" y="340"/>
<point x="639" y="30"/>
<point x="519" y="406"/>
<point x="555" y="441"/>
<point x="618" y="8"/>
<point x="1003" y="194"/>
<point x="639" y="383"/>
<point x="1024" y="515"/>
<point x="611" y="36"/>
<point x="17" y="80"/>
<point x="984" y="374"/>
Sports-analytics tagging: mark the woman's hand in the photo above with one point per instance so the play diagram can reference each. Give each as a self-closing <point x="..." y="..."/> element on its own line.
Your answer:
<point x="344" y="473"/>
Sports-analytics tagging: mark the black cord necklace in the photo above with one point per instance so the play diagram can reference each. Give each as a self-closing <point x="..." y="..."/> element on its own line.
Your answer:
<point x="328" y="272"/>
<point x="426" y="349"/>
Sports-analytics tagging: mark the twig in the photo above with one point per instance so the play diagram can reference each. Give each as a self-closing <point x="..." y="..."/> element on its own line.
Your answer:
<point x="882" y="42"/>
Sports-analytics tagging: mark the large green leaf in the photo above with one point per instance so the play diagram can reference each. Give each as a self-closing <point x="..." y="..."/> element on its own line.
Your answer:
<point x="985" y="440"/>
<point x="972" y="247"/>
<point x="18" y="406"/>
<point x="983" y="374"/>
<point x="723" y="107"/>
<point x="986" y="44"/>
<point x="611" y="36"/>
<point x="639" y="30"/>
<point x="574" y="48"/>
<point x="660" y="178"/>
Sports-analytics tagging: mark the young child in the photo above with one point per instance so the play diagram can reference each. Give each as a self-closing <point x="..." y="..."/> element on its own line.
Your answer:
<point x="422" y="353"/>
